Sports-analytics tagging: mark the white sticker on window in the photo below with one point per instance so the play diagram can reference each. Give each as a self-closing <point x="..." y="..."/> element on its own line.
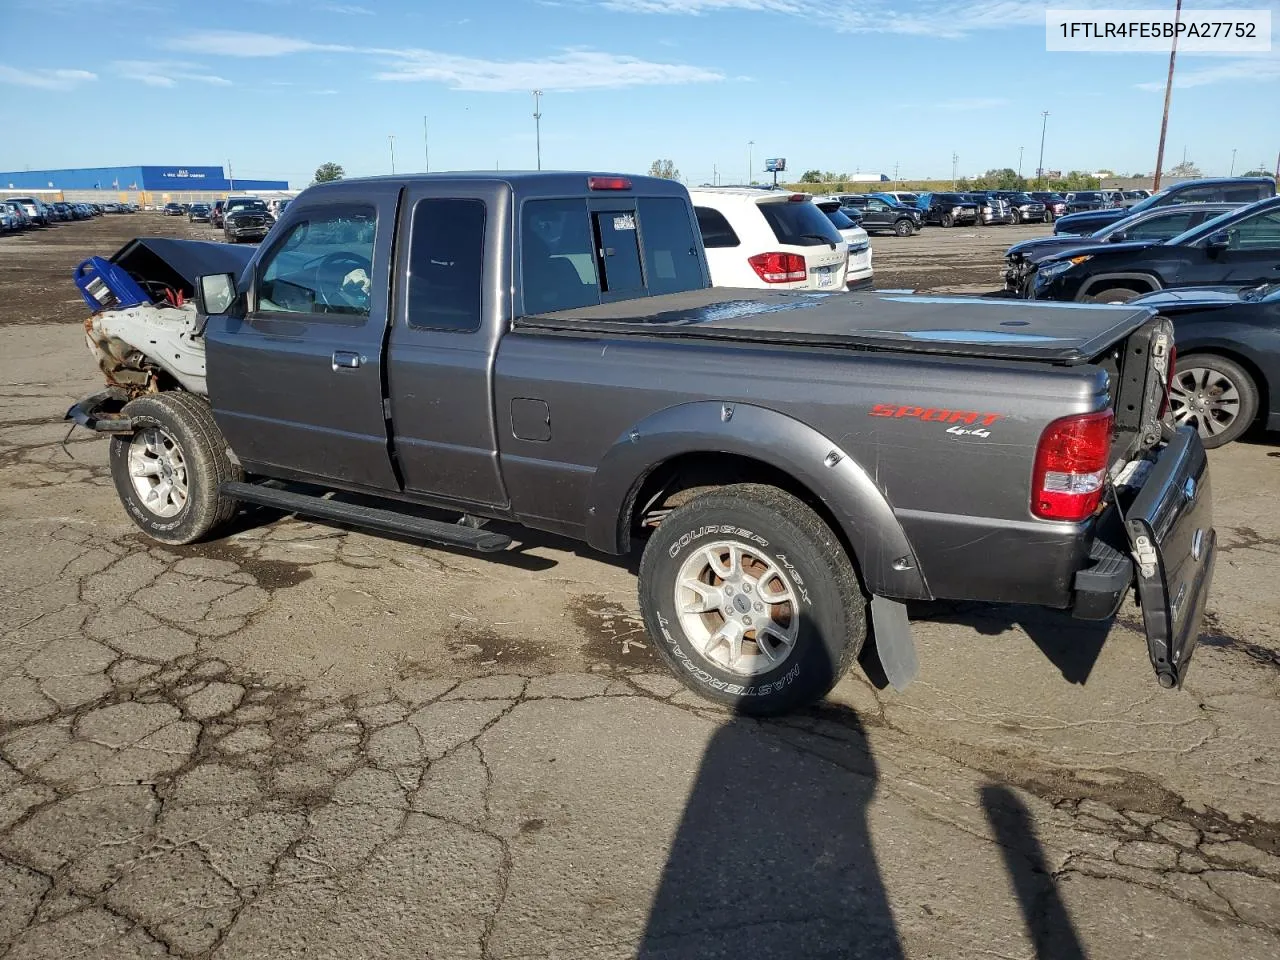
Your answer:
<point x="624" y="221"/>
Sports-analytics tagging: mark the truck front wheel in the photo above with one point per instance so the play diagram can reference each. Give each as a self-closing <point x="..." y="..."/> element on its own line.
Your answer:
<point x="751" y="599"/>
<point x="169" y="471"/>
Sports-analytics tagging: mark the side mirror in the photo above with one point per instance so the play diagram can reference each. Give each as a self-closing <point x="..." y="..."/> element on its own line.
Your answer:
<point x="1218" y="242"/>
<point x="215" y="293"/>
<point x="1119" y="237"/>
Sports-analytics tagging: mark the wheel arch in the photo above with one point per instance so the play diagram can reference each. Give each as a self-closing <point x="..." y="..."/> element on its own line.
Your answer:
<point x="1122" y="279"/>
<point x="717" y="443"/>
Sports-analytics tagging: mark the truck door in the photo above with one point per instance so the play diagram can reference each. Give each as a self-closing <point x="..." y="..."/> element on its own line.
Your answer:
<point x="296" y="383"/>
<point x="451" y="308"/>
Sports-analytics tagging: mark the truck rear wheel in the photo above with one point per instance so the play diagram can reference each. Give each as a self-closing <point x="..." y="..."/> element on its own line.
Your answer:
<point x="169" y="471"/>
<point x="904" y="228"/>
<point x="751" y="599"/>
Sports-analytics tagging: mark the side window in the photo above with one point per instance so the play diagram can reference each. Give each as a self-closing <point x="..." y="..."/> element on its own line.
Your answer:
<point x="446" y="264"/>
<point x="716" y="231"/>
<point x="1243" y="194"/>
<point x="1259" y="232"/>
<point x="323" y="265"/>
<point x="670" y="249"/>
<point x="558" y="256"/>
<point x="1194" y="195"/>
<point x="619" y="249"/>
<point x="1161" y="228"/>
<point x="877" y="206"/>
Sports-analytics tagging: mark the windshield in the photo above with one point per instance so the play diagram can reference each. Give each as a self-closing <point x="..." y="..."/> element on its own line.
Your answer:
<point x="1268" y="292"/>
<point x="1088" y="196"/>
<point x="950" y="198"/>
<point x="246" y="206"/>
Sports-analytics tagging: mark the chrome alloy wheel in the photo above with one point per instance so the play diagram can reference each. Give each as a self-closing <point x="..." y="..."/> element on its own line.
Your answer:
<point x="737" y="608"/>
<point x="158" y="472"/>
<point x="1205" y="398"/>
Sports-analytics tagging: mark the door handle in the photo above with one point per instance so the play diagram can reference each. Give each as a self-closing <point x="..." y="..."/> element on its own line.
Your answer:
<point x="345" y="360"/>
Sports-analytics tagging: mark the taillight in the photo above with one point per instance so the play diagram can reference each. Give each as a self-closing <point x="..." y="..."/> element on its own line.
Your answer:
<point x="779" y="267"/>
<point x="1071" y="466"/>
<point x="608" y="183"/>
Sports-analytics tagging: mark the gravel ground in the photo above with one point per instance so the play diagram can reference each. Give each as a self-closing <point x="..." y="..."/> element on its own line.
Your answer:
<point x="298" y="741"/>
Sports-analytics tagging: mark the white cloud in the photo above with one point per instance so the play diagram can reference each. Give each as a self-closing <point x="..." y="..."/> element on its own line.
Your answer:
<point x="570" y="70"/>
<point x="1252" y="69"/>
<point x="698" y="7"/>
<point x="238" y="43"/>
<point x="347" y="9"/>
<point x="166" y="73"/>
<point x="45" y="79"/>
<point x="573" y="70"/>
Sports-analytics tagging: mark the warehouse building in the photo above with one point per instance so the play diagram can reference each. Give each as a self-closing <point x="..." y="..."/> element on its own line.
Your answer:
<point x="145" y="185"/>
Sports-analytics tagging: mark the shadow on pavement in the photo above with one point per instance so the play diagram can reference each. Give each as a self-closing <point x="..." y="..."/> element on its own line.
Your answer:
<point x="1071" y="645"/>
<point x="1048" y="924"/>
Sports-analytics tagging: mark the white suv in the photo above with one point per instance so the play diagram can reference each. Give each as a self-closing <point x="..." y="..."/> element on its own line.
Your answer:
<point x="769" y="238"/>
<point x="860" y="273"/>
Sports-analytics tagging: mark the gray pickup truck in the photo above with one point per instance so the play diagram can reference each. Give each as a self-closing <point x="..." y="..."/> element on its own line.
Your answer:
<point x="545" y="349"/>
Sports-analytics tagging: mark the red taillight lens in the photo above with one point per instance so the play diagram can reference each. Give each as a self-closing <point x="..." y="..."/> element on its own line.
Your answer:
<point x="1071" y="466"/>
<point x="779" y="267"/>
<point x="1168" y="385"/>
<point x="608" y="183"/>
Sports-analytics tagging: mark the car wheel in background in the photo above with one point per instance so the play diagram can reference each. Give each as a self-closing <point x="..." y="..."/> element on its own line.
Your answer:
<point x="904" y="228"/>
<point x="948" y="220"/>
<point x="1114" y="295"/>
<point x="751" y="599"/>
<point x="1215" y="396"/>
<point x="1017" y="216"/>
<point x="1048" y="217"/>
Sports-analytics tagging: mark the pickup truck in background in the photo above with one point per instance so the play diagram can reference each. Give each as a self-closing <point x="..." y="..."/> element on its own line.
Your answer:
<point x="544" y="349"/>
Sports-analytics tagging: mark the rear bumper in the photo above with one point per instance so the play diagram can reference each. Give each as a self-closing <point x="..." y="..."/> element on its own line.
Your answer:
<point x="862" y="283"/>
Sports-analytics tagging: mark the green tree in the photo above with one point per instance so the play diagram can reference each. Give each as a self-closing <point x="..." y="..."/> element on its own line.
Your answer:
<point x="328" y="172"/>
<point x="1255" y="173"/>
<point x="665" y="169"/>
<point x="811" y="176"/>
<point x="1186" y="168"/>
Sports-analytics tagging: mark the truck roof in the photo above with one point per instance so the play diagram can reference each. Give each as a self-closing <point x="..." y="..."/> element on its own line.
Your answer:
<point x="1065" y="333"/>
<point x="541" y="182"/>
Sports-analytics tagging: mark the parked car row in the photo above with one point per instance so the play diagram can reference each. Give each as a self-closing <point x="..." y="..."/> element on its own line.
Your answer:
<point x="22" y="213"/>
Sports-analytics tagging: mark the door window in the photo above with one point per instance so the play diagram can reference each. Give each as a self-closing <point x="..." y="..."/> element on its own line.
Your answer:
<point x="446" y="264"/>
<point x="1195" y="195"/>
<point x="323" y="266"/>
<point x="1245" y="194"/>
<point x="1161" y="228"/>
<point x="716" y="232"/>
<point x="671" y="261"/>
<point x="559" y="264"/>
<point x="619" y="250"/>
<point x="1259" y="232"/>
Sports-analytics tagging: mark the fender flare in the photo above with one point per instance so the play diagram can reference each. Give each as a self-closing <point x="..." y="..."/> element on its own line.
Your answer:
<point x="884" y="554"/>
<point x="1101" y="281"/>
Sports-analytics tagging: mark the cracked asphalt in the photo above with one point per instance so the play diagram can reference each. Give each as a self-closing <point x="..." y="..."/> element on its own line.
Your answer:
<point x="300" y="741"/>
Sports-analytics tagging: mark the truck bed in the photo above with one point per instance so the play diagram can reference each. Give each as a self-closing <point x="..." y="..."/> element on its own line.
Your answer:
<point x="969" y="326"/>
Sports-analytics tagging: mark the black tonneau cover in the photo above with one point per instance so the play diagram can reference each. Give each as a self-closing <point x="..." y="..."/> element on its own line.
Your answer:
<point x="961" y="326"/>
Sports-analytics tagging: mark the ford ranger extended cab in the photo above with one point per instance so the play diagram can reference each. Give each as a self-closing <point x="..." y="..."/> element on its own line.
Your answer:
<point x="545" y="349"/>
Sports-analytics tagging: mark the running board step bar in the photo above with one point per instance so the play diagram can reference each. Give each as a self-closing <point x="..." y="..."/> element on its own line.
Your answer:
<point x="368" y="518"/>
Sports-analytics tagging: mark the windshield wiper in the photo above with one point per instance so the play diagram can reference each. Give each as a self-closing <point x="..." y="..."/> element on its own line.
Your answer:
<point x="818" y="236"/>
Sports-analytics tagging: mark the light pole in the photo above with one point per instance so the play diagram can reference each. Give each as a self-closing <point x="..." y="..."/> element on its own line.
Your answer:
<point x="1044" y="124"/>
<point x="750" y="163"/>
<point x="1233" y="163"/>
<point x="955" y="163"/>
<point x="1020" y="163"/>
<point x="391" y="139"/>
<point x="1168" y="93"/>
<point x="231" y="177"/>
<point x="537" y="123"/>
<point x="426" y="147"/>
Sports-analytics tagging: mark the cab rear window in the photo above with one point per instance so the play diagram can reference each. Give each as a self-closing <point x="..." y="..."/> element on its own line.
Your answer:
<point x="799" y="224"/>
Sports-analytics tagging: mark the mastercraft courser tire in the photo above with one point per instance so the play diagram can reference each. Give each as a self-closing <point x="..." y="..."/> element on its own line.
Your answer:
<point x="794" y="584"/>
<point x="176" y="429"/>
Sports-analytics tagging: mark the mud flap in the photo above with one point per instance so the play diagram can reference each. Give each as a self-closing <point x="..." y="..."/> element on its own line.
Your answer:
<point x="1170" y="531"/>
<point x="894" y="643"/>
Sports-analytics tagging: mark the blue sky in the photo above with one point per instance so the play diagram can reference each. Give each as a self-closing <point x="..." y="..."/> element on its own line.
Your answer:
<point x="280" y="86"/>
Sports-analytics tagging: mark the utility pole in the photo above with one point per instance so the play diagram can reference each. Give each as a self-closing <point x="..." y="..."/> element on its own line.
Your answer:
<point x="1020" y="163"/>
<point x="537" y="123"/>
<point x="715" y="176"/>
<point x="895" y="171"/>
<point x="1044" y="125"/>
<point x="1232" y="172"/>
<point x="231" y="177"/>
<point x="751" y="170"/>
<point x="426" y="148"/>
<point x="1168" y="93"/>
<point x="391" y="139"/>
<point x="955" y="162"/>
